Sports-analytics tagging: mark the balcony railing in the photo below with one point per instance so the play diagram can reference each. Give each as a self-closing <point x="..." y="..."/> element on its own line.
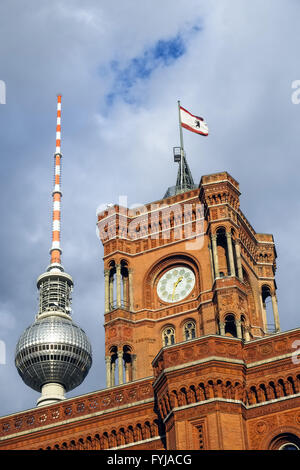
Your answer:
<point x="123" y="305"/>
<point x="271" y="328"/>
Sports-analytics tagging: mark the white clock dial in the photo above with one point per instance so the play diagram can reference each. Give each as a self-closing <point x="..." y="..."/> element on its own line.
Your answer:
<point x="176" y="284"/>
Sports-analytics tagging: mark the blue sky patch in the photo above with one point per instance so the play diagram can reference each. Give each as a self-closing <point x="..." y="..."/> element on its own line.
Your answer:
<point x="162" y="54"/>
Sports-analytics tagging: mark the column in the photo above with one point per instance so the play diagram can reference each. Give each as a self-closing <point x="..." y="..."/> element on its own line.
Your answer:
<point x="275" y="312"/>
<point x="230" y="253"/>
<point x="130" y="290"/>
<point x="125" y="291"/>
<point x="264" y="314"/>
<point x="127" y="371"/>
<point x="247" y="335"/>
<point x="238" y="329"/>
<point x="222" y="328"/>
<point x="211" y="261"/>
<point x="111" y="292"/>
<point x="120" y="366"/>
<point x="133" y="366"/>
<point x="108" y="371"/>
<point x="106" y="290"/>
<point x="238" y="259"/>
<point x="215" y="255"/>
<point x="112" y="373"/>
<point x="118" y="269"/>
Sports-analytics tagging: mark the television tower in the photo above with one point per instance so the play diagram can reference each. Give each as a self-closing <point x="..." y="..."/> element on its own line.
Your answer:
<point x="54" y="355"/>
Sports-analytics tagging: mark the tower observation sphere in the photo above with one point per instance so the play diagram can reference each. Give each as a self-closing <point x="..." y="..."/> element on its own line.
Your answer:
<point x="53" y="349"/>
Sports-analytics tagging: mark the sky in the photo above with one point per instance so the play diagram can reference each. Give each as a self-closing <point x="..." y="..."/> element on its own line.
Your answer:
<point x="121" y="67"/>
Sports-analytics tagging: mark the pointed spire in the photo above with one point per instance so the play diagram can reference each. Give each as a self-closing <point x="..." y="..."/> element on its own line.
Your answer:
<point x="185" y="181"/>
<point x="184" y="177"/>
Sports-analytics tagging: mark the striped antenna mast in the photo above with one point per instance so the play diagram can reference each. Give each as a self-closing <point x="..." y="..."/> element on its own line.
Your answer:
<point x="55" y="250"/>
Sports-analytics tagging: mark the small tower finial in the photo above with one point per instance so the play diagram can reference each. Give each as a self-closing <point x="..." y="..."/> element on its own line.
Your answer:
<point x="55" y="250"/>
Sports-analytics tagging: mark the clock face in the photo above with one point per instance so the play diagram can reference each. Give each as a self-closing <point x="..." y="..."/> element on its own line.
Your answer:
<point x="176" y="284"/>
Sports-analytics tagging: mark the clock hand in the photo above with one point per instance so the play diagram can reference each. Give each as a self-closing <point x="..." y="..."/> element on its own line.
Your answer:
<point x="175" y="285"/>
<point x="179" y="280"/>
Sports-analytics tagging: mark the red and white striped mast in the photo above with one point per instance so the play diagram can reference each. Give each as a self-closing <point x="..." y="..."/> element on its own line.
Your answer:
<point x="55" y="250"/>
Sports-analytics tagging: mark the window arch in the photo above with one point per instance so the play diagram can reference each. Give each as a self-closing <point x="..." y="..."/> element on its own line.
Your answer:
<point x="189" y="330"/>
<point x="289" y="446"/>
<point x="168" y="336"/>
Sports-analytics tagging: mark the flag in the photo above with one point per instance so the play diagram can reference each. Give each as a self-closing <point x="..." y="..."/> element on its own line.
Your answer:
<point x="193" y="123"/>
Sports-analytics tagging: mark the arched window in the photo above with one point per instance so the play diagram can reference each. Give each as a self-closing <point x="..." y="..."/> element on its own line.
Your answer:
<point x="222" y="251"/>
<point x="230" y="326"/>
<point x="267" y="306"/>
<point x="112" y="291"/>
<point x="112" y="365"/>
<point x="168" y="336"/>
<point x="125" y="285"/>
<point x="128" y="359"/>
<point x="189" y="330"/>
<point x="117" y="290"/>
<point x="285" y="441"/>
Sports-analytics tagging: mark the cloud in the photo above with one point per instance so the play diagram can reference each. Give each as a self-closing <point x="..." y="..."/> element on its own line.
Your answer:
<point x="161" y="54"/>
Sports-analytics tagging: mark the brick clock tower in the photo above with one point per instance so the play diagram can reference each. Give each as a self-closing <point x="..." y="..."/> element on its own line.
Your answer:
<point x="193" y="359"/>
<point x="186" y="267"/>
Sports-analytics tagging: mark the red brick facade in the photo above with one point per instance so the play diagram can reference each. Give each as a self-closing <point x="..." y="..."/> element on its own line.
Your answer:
<point x="203" y="372"/>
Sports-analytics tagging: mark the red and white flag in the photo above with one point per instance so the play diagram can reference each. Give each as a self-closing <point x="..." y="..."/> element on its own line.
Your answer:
<point x="193" y="123"/>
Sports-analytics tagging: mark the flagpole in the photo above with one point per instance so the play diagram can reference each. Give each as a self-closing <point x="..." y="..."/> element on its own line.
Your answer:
<point x="181" y="146"/>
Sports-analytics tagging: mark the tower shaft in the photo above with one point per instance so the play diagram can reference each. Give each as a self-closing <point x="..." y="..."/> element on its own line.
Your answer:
<point x="57" y="194"/>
